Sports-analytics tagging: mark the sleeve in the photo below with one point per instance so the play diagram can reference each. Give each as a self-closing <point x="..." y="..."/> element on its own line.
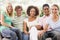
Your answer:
<point x="3" y="13"/>
<point x="25" y="20"/>
<point x="13" y="20"/>
<point x="40" y="21"/>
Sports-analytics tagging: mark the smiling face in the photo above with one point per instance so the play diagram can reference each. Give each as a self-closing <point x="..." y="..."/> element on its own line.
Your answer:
<point x="32" y="12"/>
<point x="46" y="10"/>
<point x="18" y="11"/>
<point x="9" y="9"/>
<point x="55" y="10"/>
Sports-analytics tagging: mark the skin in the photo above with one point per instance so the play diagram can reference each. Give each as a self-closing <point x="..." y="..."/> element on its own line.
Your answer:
<point x="9" y="11"/>
<point x="31" y="18"/>
<point x="55" y="16"/>
<point x="18" y="11"/>
<point x="46" y="11"/>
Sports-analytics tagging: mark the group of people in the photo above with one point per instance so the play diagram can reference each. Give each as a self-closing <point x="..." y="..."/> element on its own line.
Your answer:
<point x="32" y="27"/>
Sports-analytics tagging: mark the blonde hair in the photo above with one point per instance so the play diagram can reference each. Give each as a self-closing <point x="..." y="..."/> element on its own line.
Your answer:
<point x="9" y="4"/>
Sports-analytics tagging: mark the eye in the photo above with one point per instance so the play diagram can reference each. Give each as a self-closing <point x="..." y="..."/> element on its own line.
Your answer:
<point x="56" y="9"/>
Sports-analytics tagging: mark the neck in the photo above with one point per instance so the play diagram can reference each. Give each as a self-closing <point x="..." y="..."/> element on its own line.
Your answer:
<point x="47" y="14"/>
<point x="18" y="15"/>
<point x="32" y="17"/>
<point x="9" y="14"/>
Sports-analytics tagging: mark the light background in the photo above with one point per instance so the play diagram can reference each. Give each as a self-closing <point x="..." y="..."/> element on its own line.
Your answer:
<point x="26" y="3"/>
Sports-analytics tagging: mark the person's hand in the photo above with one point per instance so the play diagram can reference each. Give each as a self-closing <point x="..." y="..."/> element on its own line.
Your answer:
<point x="26" y="33"/>
<point x="30" y="28"/>
<point x="11" y="27"/>
<point x="38" y="27"/>
<point x="50" y="28"/>
<point x="41" y="33"/>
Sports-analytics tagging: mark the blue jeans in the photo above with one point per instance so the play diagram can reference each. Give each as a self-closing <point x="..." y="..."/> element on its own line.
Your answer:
<point x="7" y="33"/>
<point x="25" y="37"/>
<point x="13" y="33"/>
<point x="18" y="33"/>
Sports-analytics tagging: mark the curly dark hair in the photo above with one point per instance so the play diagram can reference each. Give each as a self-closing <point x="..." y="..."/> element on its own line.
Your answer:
<point x="36" y="10"/>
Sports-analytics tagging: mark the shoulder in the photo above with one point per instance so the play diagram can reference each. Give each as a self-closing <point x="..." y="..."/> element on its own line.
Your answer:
<point x="26" y="19"/>
<point x="14" y="18"/>
<point x="38" y="18"/>
<point x="3" y="12"/>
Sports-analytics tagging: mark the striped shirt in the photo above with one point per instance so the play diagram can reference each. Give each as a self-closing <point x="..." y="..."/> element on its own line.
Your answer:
<point x="18" y="22"/>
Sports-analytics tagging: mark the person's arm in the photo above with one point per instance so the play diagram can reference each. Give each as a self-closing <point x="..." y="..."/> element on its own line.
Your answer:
<point x="3" y="23"/>
<point x="45" y="28"/>
<point x="25" y="27"/>
<point x="38" y="27"/>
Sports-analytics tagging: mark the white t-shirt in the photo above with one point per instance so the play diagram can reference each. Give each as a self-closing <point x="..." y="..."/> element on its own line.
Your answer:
<point x="54" y="25"/>
<point x="32" y="23"/>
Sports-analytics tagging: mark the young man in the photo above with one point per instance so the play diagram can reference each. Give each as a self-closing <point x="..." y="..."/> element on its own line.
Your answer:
<point x="47" y="15"/>
<point x="18" y="21"/>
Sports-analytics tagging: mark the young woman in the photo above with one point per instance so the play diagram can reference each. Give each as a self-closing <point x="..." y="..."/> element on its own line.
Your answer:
<point x="54" y="23"/>
<point x="6" y="29"/>
<point x="32" y="22"/>
<point x="6" y="22"/>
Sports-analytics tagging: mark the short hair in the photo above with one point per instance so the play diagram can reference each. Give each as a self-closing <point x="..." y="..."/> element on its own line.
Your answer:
<point x="18" y="7"/>
<point x="56" y="6"/>
<point x="36" y="10"/>
<point x="45" y="5"/>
